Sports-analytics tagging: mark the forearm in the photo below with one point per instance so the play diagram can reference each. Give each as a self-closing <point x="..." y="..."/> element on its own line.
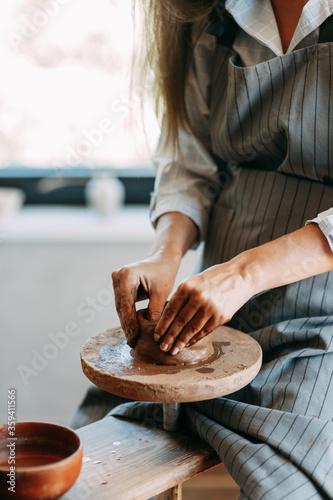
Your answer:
<point x="288" y="259"/>
<point x="175" y="233"/>
<point x="211" y="298"/>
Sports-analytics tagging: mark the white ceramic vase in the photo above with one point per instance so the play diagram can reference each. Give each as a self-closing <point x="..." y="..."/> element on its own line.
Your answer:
<point x="105" y="194"/>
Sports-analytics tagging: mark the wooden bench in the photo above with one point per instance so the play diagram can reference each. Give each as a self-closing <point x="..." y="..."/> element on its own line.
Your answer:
<point x="128" y="460"/>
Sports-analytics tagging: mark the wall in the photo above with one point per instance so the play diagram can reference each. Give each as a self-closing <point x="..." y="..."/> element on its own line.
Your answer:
<point x="55" y="292"/>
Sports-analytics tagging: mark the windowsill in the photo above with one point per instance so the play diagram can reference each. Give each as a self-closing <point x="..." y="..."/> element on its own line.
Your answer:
<point x="44" y="187"/>
<point x="43" y="224"/>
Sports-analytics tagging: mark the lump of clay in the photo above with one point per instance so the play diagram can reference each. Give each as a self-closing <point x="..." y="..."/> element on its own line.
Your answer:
<point x="148" y="350"/>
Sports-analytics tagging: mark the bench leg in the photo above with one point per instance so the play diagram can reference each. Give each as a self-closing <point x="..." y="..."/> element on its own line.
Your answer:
<point x="171" y="422"/>
<point x="174" y="493"/>
<point x="171" y="416"/>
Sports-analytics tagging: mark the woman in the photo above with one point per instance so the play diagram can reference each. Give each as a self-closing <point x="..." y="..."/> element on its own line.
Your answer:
<point x="249" y="115"/>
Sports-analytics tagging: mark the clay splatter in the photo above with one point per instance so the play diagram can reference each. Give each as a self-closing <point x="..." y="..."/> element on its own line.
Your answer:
<point x="205" y="370"/>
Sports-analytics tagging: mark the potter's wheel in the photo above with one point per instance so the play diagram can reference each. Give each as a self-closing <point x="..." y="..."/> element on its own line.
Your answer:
<point x="107" y="362"/>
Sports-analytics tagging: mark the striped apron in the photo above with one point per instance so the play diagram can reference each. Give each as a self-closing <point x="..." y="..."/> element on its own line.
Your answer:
<point x="271" y="125"/>
<point x="271" y="130"/>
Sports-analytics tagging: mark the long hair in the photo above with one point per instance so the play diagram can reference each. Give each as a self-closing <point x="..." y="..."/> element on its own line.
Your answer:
<point x="167" y="43"/>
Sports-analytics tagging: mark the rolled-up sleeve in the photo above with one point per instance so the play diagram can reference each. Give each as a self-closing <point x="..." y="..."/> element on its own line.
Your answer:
<point x="325" y="223"/>
<point x="185" y="183"/>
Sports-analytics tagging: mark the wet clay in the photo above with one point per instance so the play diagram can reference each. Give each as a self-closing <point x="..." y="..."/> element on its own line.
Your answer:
<point x="148" y="350"/>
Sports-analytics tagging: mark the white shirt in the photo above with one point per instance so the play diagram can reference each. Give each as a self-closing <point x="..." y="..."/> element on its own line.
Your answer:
<point x="259" y="39"/>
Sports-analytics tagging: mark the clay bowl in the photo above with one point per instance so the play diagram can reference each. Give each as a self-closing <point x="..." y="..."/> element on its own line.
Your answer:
<point x="48" y="460"/>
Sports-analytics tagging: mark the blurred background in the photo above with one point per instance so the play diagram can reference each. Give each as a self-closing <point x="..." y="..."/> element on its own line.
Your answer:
<point x="75" y="182"/>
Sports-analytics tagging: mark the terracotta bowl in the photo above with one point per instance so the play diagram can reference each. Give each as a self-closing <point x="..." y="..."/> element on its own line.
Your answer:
<point x="48" y="460"/>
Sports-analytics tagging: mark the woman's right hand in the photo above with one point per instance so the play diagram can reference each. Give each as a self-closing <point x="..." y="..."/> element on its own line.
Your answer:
<point x="152" y="278"/>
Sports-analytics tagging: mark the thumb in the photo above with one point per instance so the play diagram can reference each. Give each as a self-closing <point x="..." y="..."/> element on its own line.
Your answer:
<point x="156" y="306"/>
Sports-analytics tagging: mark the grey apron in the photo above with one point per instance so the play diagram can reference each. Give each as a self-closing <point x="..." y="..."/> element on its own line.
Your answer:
<point x="271" y="128"/>
<point x="271" y="125"/>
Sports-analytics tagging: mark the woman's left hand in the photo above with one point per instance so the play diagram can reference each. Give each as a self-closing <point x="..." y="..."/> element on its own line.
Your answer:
<point x="201" y="304"/>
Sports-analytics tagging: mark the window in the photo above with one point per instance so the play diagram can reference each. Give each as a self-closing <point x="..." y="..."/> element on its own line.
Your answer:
<point x="64" y="89"/>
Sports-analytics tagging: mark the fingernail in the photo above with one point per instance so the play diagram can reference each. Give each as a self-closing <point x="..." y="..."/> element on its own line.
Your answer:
<point x="174" y="351"/>
<point x="157" y="337"/>
<point x="164" y="347"/>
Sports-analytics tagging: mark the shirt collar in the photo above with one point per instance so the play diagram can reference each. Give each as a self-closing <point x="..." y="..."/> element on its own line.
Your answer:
<point x="257" y="19"/>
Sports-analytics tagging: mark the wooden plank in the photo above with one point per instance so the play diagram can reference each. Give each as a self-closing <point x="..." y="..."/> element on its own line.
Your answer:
<point x="133" y="461"/>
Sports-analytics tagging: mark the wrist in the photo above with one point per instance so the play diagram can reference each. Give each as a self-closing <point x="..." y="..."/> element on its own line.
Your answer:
<point x="166" y="257"/>
<point x="167" y="253"/>
<point x="248" y="267"/>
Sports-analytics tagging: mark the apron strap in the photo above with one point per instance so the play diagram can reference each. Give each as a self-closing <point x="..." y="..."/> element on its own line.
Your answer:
<point x="222" y="25"/>
<point x="326" y="31"/>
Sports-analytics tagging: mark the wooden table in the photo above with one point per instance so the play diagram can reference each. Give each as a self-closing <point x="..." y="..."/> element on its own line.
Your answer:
<point x="129" y="460"/>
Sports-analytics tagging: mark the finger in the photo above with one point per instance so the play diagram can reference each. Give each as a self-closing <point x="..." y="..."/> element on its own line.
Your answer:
<point x="208" y="328"/>
<point x="156" y="304"/>
<point x="193" y="328"/>
<point x="131" y="327"/>
<point x="172" y="309"/>
<point x="196" y="338"/>
<point x="181" y="320"/>
<point x="125" y="290"/>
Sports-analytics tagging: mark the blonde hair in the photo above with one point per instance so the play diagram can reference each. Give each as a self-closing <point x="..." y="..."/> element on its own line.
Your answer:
<point x="166" y="50"/>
